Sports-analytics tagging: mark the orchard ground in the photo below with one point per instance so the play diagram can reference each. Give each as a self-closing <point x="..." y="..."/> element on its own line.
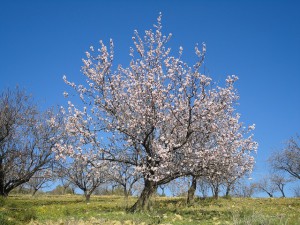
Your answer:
<point x="109" y="210"/>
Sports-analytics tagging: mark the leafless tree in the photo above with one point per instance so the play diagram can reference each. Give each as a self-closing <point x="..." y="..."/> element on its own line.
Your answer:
<point x="296" y="191"/>
<point x="203" y="186"/>
<point x="163" y="187"/>
<point x="39" y="181"/>
<point x="243" y="189"/>
<point x="280" y="182"/>
<point x="125" y="176"/>
<point x="179" y="186"/>
<point x="288" y="159"/>
<point x="215" y="186"/>
<point x="65" y="183"/>
<point x="229" y="184"/>
<point x="191" y="191"/>
<point x="267" y="186"/>
<point x="26" y="139"/>
<point x="84" y="175"/>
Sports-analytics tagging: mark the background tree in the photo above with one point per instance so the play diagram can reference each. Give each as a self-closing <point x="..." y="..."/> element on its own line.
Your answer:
<point x="296" y="191"/>
<point x="110" y="188"/>
<point x="244" y="189"/>
<point x="84" y="175"/>
<point x="21" y="189"/>
<point x="27" y="138"/>
<point x="65" y="183"/>
<point x="224" y="163"/>
<point x="203" y="186"/>
<point x="280" y="182"/>
<point x="266" y="185"/>
<point x="125" y="176"/>
<point x="179" y="186"/>
<point x="288" y="159"/>
<point x="163" y="187"/>
<point x="39" y="181"/>
<point x="215" y="185"/>
<point x="60" y="190"/>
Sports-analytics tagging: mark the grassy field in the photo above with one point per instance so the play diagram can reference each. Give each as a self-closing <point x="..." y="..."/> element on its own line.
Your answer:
<point x="73" y="210"/>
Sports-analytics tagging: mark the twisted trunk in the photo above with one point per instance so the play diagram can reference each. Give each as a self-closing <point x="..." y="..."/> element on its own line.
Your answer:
<point x="143" y="203"/>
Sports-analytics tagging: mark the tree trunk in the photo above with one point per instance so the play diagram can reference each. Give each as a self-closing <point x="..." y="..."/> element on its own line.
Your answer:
<point x="282" y="192"/>
<point x="191" y="191"/>
<point x="227" y="190"/>
<point x="216" y="192"/>
<point x="34" y="191"/>
<point x="87" y="196"/>
<point x="64" y="190"/>
<point x="3" y="193"/>
<point x="163" y="192"/>
<point x="143" y="203"/>
<point x="126" y="193"/>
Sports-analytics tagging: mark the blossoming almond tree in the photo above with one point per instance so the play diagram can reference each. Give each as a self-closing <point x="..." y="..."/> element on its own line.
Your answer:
<point x="76" y="162"/>
<point x="150" y="113"/>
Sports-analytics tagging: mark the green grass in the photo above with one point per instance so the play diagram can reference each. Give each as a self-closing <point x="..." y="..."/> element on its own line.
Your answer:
<point x="108" y="210"/>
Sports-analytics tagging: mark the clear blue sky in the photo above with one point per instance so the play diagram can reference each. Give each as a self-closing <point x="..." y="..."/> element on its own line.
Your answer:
<point x="259" y="41"/>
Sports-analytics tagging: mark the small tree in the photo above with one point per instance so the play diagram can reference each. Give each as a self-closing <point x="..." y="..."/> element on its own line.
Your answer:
<point x="60" y="190"/>
<point x="84" y="175"/>
<point x="203" y="186"/>
<point x="21" y="189"/>
<point x="266" y="185"/>
<point x="227" y="158"/>
<point x="39" y="181"/>
<point x="27" y="138"/>
<point x="288" y="159"/>
<point x="280" y="182"/>
<point x="243" y="189"/>
<point x="163" y="187"/>
<point x="215" y="185"/>
<point x="223" y="167"/>
<point x="65" y="184"/>
<point x="179" y="186"/>
<point x="125" y="176"/>
<point x="297" y="191"/>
